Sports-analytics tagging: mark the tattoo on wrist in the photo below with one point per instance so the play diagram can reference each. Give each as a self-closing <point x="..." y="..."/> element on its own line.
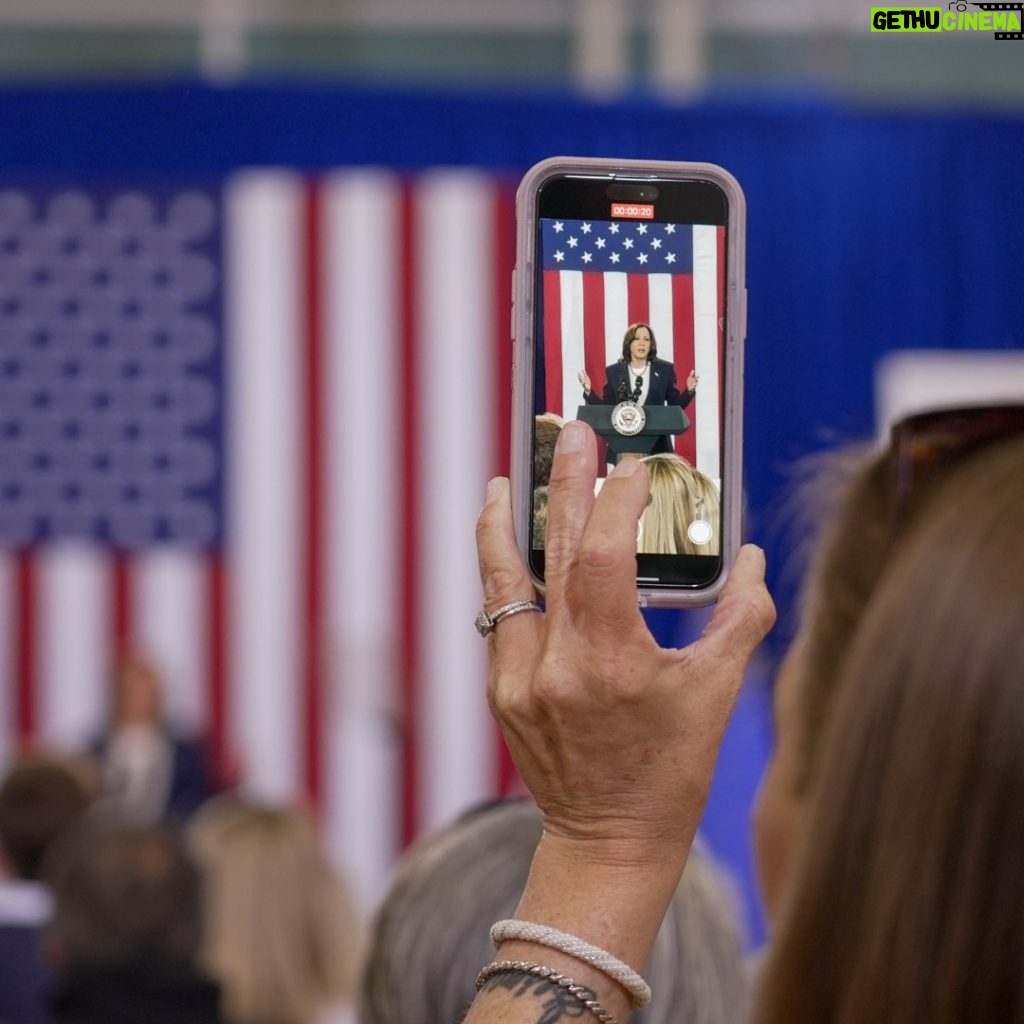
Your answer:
<point x="558" y="1004"/>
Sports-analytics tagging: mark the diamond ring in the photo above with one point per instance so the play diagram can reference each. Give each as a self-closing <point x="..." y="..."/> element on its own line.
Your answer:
<point x="486" y="621"/>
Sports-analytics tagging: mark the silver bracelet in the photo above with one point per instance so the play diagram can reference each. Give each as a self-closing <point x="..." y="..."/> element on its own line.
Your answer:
<point x="583" y="995"/>
<point x="526" y="931"/>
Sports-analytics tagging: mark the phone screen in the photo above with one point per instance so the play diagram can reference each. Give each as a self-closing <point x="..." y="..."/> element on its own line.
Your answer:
<point x="629" y="332"/>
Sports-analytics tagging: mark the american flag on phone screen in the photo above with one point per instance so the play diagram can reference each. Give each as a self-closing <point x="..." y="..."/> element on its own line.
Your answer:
<point x="599" y="277"/>
<point x="245" y="429"/>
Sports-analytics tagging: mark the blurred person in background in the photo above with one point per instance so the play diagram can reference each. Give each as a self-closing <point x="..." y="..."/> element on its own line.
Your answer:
<point x="540" y="517"/>
<point x="431" y="934"/>
<point x="127" y="927"/>
<point x="281" y="933"/>
<point x="40" y="801"/>
<point x="857" y="502"/>
<point x="149" y="771"/>
<point x="547" y="427"/>
<point x="910" y="866"/>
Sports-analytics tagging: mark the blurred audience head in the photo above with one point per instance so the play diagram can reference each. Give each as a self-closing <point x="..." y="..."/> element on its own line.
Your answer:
<point x="540" y="517"/>
<point x="126" y="929"/>
<point x="40" y="799"/>
<point x="431" y="935"/>
<point x="865" y="515"/>
<point x="547" y="427"/>
<point x="909" y="875"/>
<point x="124" y="892"/>
<point x="680" y="495"/>
<point x="281" y="933"/>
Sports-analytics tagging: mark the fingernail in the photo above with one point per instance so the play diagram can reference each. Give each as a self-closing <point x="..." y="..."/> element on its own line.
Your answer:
<point x="757" y="553"/>
<point x="494" y="489"/>
<point x="627" y="467"/>
<point x="572" y="437"/>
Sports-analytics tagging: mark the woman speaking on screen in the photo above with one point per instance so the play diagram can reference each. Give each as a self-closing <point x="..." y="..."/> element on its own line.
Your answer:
<point x="640" y="376"/>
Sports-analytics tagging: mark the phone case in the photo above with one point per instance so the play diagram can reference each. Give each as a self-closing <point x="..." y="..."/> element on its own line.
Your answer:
<point x="523" y="292"/>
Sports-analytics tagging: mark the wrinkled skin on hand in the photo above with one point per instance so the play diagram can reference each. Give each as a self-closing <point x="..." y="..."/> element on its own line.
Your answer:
<point x="615" y="737"/>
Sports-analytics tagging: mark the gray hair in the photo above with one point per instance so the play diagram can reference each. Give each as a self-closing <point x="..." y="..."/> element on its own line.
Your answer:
<point x="430" y="936"/>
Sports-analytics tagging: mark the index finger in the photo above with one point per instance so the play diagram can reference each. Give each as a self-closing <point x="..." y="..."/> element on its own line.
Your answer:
<point x="607" y="559"/>
<point x="570" y="499"/>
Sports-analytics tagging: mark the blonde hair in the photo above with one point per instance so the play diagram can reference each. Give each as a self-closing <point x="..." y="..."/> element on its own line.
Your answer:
<point x="679" y="495"/>
<point x="281" y="935"/>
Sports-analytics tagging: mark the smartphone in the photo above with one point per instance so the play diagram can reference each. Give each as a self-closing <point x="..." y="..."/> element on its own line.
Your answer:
<point x="630" y="313"/>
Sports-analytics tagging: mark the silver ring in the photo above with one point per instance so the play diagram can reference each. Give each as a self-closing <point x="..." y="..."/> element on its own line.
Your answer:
<point x="486" y="621"/>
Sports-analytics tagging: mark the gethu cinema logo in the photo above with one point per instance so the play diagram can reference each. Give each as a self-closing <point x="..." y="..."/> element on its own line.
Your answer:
<point x="990" y="18"/>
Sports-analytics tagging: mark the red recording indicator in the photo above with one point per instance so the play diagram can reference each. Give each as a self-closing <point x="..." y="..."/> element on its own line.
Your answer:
<point x="633" y="211"/>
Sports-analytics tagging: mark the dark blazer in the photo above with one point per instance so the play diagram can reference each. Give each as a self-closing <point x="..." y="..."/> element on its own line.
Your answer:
<point x="663" y="390"/>
<point x="26" y="979"/>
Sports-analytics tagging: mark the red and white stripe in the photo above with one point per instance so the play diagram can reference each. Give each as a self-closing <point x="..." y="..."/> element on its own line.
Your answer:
<point x="328" y="649"/>
<point x="590" y="310"/>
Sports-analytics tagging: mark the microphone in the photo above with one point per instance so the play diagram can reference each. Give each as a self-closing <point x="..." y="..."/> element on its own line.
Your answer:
<point x="622" y="391"/>
<point x="638" y="386"/>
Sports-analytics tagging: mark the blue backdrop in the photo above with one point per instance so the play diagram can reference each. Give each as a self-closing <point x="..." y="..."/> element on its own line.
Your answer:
<point x="868" y="230"/>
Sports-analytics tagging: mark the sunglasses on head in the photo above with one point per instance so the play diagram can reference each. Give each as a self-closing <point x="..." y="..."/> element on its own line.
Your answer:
<point x="940" y="439"/>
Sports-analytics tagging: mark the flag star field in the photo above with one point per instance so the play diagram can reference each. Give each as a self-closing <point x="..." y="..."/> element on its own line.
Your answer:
<point x="110" y="404"/>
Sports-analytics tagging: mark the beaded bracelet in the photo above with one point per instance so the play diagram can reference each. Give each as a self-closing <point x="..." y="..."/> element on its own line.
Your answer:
<point x="526" y="931"/>
<point x="583" y="995"/>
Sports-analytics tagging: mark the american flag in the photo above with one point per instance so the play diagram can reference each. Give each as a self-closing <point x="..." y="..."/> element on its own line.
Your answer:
<point x="599" y="277"/>
<point x="245" y="428"/>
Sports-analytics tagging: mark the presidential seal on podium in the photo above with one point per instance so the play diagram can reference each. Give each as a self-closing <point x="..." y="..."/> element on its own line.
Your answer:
<point x="628" y="418"/>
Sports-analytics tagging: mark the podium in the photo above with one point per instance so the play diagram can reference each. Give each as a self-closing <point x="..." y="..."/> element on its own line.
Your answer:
<point x="660" y="420"/>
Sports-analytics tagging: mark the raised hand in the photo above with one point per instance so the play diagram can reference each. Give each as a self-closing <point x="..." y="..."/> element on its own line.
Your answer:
<point x="615" y="737"/>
